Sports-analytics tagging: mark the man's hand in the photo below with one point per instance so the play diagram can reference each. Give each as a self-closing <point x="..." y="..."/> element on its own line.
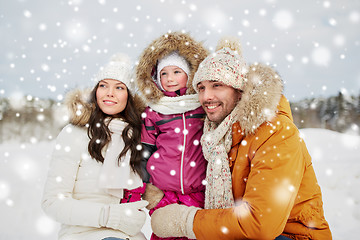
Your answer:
<point x="174" y="220"/>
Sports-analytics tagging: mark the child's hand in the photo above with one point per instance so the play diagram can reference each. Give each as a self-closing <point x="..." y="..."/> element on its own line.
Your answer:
<point x="153" y="195"/>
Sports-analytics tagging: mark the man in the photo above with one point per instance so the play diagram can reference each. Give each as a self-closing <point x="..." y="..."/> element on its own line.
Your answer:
<point x="260" y="182"/>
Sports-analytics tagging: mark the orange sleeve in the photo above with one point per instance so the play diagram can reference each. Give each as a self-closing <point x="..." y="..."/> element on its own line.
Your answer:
<point x="277" y="168"/>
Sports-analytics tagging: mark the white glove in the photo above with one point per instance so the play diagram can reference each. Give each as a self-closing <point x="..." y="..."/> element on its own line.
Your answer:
<point x="127" y="217"/>
<point x="174" y="220"/>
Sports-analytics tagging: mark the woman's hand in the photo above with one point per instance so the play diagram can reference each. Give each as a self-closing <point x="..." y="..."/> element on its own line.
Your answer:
<point x="127" y="217"/>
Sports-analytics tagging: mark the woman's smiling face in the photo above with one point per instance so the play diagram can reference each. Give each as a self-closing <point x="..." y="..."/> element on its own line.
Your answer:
<point x="111" y="96"/>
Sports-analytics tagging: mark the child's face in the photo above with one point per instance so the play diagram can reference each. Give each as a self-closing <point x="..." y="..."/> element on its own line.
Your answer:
<point x="111" y="96"/>
<point x="173" y="78"/>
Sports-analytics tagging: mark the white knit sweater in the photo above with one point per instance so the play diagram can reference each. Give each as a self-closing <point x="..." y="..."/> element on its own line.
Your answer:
<point x="71" y="194"/>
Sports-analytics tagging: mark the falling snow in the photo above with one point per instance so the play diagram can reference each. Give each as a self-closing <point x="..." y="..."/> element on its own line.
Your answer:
<point x="283" y="19"/>
<point x="321" y="56"/>
<point x="45" y="55"/>
<point x="314" y="45"/>
<point x="23" y="169"/>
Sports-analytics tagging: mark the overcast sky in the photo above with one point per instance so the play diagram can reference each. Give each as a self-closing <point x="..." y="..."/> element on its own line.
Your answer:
<point x="49" y="47"/>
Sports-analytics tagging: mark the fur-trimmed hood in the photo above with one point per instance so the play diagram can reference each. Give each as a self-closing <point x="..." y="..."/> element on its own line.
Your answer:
<point x="194" y="52"/>
<point x="80" y="109"/>
<point x="79" y="106"/>
<point x="261" y="95"/>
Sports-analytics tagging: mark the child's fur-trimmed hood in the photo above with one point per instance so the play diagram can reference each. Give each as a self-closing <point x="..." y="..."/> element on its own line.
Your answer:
<point x="194" y="52"/>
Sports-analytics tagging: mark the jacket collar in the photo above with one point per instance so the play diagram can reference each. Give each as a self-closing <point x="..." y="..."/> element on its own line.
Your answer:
<point x="179" y="92"/>
<point x="283" y="108"/>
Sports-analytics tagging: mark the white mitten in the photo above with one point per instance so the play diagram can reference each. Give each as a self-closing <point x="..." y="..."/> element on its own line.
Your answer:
<point x="174" y="220"/>
<point x="127" y="217"/>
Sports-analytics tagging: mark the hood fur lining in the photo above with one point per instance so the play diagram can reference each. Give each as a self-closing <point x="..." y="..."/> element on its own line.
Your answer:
<point x="261" y="95"/>
<point x="77" y="102"/>
<point x="193" y="51"/>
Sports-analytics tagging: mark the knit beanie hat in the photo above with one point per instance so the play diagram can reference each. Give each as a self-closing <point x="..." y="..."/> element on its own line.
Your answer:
<point x="119" y="68"/>
<point x="226" y="65"/>
<point x="173" y="59"/>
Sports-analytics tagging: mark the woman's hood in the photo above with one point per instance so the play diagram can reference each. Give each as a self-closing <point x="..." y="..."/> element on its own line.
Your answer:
<point x="78" y="104"/>
<point x="194" y="52"/>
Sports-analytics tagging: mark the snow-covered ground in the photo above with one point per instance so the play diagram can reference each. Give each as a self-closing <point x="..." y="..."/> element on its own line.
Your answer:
<point x="23" y="169"/>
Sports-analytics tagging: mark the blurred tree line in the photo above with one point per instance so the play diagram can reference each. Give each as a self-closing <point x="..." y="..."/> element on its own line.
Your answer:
<point x="29" y="119"/>
<point x="339" y="113"/>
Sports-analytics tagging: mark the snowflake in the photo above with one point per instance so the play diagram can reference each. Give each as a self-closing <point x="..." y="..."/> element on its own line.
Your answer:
<point x="321" y="56"/>
<point x="283" y="19"/>
<point x="4" y="190"/>
<point x="45" y="225"/>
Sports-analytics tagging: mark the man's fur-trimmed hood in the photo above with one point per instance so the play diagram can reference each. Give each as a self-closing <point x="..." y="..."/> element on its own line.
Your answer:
<point x="260" y="98"/>
<point x="194" y="52"/>
<point x="80" y="109"/>
<point x="261" y="92"/>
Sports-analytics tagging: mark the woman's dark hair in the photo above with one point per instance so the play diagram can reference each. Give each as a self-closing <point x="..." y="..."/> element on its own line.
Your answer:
<point x="100" y="135"/>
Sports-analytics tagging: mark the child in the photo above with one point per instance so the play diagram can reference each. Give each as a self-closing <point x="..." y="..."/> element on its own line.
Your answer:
<point x="173" y="120"/>
<point x="96" y="158"/>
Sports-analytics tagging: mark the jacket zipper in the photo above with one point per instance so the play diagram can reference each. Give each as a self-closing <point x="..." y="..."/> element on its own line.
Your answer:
<point x="182" y="157"/>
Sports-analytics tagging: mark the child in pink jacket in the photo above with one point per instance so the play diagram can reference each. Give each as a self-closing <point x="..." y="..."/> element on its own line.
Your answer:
<point x="173" y="121"/>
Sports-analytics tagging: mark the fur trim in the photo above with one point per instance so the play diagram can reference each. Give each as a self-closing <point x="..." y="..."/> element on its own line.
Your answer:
<point x="261" y="95"/>
<point x="193" y="51"/>
<point x="139" y="103"/>
<point x="79" y="107"/>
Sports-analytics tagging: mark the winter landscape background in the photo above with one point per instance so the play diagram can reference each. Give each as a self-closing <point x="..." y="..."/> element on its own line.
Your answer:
<point x="49" y="48"/>
<point x="23" y="169"/>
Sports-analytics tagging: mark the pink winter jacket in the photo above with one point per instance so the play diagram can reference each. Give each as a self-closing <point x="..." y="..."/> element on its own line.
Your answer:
<point x="178" y="163"/>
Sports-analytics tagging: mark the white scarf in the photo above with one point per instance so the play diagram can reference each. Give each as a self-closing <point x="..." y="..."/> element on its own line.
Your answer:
<point x="174" y="105"/>
<point x="216" y="144"/>
<point x="114" y="178"/>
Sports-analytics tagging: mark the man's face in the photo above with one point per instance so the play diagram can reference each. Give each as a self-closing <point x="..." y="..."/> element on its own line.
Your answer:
<point x="217" y="99"/>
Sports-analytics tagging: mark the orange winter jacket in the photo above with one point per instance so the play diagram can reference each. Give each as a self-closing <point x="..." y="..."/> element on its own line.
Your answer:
<point x="274" y="187"/>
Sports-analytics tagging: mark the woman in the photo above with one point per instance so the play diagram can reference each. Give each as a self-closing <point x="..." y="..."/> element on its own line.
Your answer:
<point x="97" y="162"/>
